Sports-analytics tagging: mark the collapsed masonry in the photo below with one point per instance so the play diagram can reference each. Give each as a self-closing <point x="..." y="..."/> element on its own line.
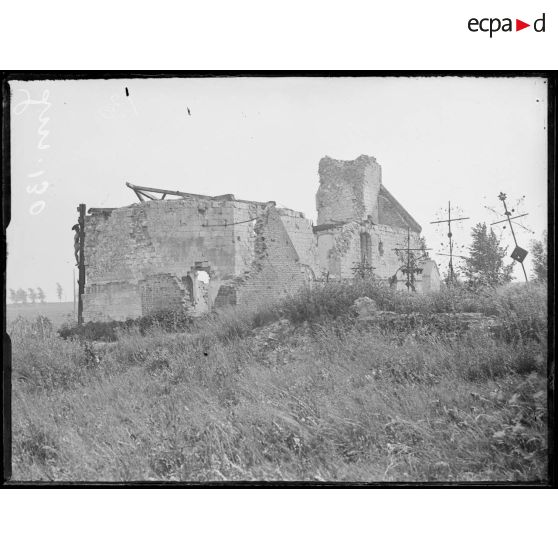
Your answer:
<point x="200" y="252"/>
<point x="360" y="222"/>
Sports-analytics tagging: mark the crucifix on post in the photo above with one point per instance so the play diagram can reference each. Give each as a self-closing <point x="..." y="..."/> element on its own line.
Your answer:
<point x="81" y="261"/>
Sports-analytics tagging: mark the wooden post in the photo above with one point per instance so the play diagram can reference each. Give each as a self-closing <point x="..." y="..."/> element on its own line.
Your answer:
<point x="81" y="266"/>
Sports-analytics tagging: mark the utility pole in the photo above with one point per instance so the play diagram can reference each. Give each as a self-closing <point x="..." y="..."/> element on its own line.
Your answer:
<point x="519" y="254"/>
<point x="81" y="266"/>
<point x="410" y="268"/>
<point x="449" y="221"/>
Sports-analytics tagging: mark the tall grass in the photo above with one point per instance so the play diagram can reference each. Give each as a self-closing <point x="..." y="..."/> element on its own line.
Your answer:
<point x="315" y="397"/>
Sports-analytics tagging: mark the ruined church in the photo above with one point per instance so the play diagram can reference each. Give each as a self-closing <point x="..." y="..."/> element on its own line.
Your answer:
<point x="200" y="253"/>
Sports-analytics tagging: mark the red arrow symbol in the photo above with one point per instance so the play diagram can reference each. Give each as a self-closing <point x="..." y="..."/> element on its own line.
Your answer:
<point x="519" y="25"/>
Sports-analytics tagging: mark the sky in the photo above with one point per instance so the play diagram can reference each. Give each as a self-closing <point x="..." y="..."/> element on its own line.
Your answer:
<point x="442" y="139"/>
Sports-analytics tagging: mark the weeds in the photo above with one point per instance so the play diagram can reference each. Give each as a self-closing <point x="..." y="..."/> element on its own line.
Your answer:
<point x="167" y="320"/>
<point x="294" y="392"/>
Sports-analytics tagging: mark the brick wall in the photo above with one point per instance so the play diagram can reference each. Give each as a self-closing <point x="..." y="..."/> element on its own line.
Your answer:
<point x="163" y="291"/>
<point x="300" y="232"/>
<point x="276" y="270"/>
<point x="117" y="300"/>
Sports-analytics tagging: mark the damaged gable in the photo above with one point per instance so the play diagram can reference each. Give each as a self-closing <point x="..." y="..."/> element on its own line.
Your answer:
<point x="392" y="213"/>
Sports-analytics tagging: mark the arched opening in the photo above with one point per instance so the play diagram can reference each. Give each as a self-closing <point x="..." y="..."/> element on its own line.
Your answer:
<point x="189" y="286"/>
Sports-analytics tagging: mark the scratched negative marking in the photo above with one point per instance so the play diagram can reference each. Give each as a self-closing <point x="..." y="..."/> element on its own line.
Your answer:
<point x="38" y="188"/>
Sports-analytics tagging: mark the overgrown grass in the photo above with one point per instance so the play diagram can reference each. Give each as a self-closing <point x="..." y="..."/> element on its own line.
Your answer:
<point x="316" y="396"/>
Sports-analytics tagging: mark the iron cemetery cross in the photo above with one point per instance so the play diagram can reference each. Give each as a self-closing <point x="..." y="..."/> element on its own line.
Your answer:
<point x="519" y="254"/>
<point x="410" y="268"/>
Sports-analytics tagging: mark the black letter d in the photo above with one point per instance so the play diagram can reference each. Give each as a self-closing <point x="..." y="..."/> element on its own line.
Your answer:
<point x="541" y="30"/>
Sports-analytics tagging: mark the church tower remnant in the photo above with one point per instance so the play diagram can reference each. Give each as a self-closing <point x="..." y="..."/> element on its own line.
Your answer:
<point x="361" y="225"/>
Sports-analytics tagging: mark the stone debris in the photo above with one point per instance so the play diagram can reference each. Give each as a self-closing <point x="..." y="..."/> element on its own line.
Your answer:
<point x="365" y="308"/>
<point x="442" y="322"/>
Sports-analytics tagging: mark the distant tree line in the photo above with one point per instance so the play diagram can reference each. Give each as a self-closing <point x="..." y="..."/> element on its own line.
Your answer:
<point x="22" y="296"/>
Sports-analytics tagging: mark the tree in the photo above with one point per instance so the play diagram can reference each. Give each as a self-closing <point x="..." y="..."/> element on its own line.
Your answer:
<point x="22" y="296"/>
<point x="13" y="296"/>
<point x="452" y="280"/>
<point x="539" y="255"/>
<point x="41" y="295"/>
<point x="32" y="295"/>
<point x="59" y="291"/>
<point x="485" y="264"/>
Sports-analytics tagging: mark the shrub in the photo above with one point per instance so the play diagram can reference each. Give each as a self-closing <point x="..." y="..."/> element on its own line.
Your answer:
<point x="170" y="321"/>
<point x="334" y="299"/>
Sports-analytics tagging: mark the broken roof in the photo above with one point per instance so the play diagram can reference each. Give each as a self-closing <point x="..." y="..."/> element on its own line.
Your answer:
<point x="405" y="215"/>
<point x="144" y="193"/>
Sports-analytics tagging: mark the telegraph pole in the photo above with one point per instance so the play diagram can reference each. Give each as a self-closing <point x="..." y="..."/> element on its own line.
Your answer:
<point x="81" y="265"/>
<point x="449" y="221"/>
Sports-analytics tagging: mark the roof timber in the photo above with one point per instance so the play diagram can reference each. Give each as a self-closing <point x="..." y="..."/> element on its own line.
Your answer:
<point x="144" y="191"/>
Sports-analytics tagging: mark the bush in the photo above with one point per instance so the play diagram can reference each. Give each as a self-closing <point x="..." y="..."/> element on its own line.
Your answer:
<point x="170" y="321"/>
<point x="334" y="299"/>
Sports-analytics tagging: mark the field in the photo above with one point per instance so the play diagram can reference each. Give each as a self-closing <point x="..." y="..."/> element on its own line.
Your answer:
<point x="304" y="391"/>
<point x="56" y="312"/>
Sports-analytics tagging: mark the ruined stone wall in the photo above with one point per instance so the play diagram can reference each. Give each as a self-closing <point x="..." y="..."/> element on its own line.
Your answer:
<point x="147" y="257"/>
<point x="157" y="239"/>
<point x="302" y="236"/>
<point x="116" y="300"/>
<point x="132" y="242"/>
<point x="340" y="248"/>
<point x="162" y="291"/>
<point x="348" y="190"/>
<point x="276" y="270"/>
